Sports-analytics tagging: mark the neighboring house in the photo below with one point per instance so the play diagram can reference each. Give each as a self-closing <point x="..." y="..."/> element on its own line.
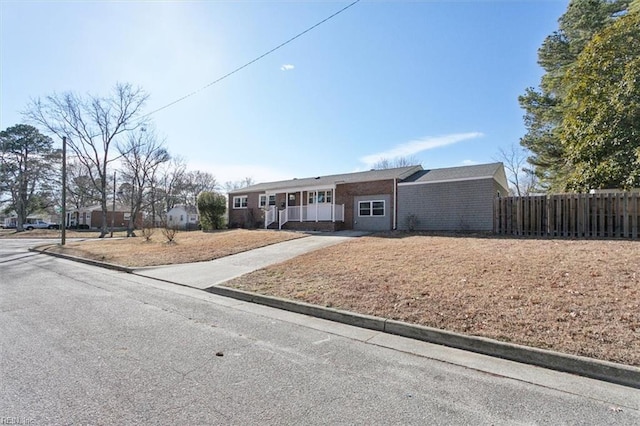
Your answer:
<point x="91" y="217"/>
<point x="183" y="217"/>
<point x="375" y="200"/>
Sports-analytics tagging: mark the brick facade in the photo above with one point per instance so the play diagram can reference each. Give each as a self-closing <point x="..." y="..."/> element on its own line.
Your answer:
<point x="118" y="220"/>
<point x="253" y="216"/>
<point x="346" y="193"/>
<point x="312" y="226"/>
<point x="245" y="217"/>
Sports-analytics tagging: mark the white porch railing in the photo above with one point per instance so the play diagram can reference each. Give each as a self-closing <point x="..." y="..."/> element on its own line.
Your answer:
<point x="270" y="216"/>
<point x="312" y="213"/>
<point x="284" y="218"/>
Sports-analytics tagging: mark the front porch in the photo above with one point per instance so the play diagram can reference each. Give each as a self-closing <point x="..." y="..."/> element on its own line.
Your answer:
<point x="316" y="212"/>
<point x="311" y="204"/>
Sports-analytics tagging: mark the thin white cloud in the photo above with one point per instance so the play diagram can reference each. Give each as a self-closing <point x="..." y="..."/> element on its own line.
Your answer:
<point x="287" y="67"/>
<point x="415" y="146"/>
<point x="469" y="162"/>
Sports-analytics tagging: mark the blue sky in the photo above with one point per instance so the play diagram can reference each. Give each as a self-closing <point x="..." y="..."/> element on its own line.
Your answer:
<point x="435" y="80"/>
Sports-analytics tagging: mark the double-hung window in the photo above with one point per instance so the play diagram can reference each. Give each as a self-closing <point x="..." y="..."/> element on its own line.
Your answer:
<point x="320" y="196"/>
<point x="240" y="202"/>
<point x="271" y="199"/>
<point x="371" y="208"/>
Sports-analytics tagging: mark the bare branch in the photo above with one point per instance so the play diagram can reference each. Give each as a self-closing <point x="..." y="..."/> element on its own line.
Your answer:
<point x="91" y="124"/>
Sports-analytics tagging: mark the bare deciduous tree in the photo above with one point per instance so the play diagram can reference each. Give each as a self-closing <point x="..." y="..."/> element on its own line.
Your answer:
<point x="242" y="183"/>
<point x="80" y="189"/>
<point x="168" y="184"/>
<point x="386" y="163"/>
<point x="522" y="179"/>
<point x="92" y="125"/>
<point x="195" y="182"/>
<point x="141" y="155"/>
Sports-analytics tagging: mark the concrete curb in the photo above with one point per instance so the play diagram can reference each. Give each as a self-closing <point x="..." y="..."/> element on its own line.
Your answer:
<point x="43" y="250"/>
<point x="596" y="369"/>
<point x="588" y="367"/>
<point x="345" y="317"/>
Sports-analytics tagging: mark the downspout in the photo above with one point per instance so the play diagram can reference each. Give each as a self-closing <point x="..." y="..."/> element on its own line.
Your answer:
<point x="333" y="205"/>
<point x="395" y="203"/>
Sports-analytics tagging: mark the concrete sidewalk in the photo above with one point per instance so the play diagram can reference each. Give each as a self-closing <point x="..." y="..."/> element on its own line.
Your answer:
<point x="203" y="275"/>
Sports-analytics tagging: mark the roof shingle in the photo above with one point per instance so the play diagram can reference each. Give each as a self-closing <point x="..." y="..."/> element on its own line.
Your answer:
<point x="371" y="175"/>
<point x="456" y="173"/>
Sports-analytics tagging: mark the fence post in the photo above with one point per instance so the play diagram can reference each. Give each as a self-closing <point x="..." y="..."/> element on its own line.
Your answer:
<point x="635" y="199"/>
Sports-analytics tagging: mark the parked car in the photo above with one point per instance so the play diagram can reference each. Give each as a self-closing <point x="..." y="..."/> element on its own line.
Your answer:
<point x="40" y="224"/>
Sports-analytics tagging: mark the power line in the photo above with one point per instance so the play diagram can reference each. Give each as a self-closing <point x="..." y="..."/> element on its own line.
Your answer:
<point x="252" y="61"/>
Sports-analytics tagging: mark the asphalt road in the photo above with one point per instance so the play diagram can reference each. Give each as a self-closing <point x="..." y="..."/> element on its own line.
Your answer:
<point x="84" y="345"/>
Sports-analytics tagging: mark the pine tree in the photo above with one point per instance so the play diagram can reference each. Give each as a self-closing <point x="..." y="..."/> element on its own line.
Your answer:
<point x="544" y="107"/>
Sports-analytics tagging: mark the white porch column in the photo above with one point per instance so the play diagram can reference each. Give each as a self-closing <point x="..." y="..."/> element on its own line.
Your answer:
<point x="301" y="201"/>
<point x="316" y="198"/>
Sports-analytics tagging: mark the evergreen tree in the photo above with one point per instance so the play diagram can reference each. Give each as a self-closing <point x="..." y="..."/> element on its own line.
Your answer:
<point x="601" y="123"/>
<point x="211" y="207"/>
<point x="544" y="107"/>
<point x="27" y="165"/>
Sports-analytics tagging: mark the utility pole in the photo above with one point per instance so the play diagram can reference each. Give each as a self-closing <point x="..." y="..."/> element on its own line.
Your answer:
<point x="113" y="212"/>
<point x="63" y="210"/>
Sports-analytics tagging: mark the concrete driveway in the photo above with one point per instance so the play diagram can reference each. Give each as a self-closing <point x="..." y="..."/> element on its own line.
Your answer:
<point x="202" y="275"/>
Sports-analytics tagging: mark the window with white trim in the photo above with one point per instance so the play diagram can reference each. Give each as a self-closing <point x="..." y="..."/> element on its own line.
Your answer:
<point x="320" y="196"/>
<point x="263" y="200"/>
<point x="371" y="208"/>
<point x="240" y="201"/>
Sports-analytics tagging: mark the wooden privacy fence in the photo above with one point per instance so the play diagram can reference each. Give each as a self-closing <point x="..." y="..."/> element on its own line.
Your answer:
<point x="611" y="215"/>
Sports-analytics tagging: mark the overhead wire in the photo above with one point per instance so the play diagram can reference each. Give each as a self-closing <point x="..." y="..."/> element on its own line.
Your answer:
<point x="229" y="74"/>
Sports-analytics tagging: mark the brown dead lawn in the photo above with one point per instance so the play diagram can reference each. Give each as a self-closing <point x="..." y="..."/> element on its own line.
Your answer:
<point x="577" y="297"/>
<point x="194" y="246"/>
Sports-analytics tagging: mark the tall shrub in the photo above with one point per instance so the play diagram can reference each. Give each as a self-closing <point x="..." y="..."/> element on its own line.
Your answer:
<point x="211" y="207"/>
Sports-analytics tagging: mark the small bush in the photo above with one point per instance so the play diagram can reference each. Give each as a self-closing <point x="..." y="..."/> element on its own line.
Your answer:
<point x="169" y="233"/>
<point x="412" y="222"/>
<point x="147" y="230"/>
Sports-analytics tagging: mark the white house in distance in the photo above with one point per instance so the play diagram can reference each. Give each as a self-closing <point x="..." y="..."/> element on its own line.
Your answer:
<point x="183" y="217"/>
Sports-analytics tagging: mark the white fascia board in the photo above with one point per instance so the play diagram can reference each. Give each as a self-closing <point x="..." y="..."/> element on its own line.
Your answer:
<point x="445" y="181"/>
<point x="301" y="188"/>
